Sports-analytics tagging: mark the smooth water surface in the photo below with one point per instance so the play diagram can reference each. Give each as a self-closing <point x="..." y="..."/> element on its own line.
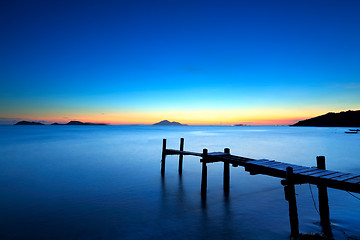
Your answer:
<point x="103" y="182"/>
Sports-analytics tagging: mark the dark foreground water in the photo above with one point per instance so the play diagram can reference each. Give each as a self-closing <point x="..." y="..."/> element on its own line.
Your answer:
<point x="103" y="182"/>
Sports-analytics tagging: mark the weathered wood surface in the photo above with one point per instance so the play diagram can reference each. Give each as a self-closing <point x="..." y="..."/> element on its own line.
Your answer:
<point x="302" y="174"/>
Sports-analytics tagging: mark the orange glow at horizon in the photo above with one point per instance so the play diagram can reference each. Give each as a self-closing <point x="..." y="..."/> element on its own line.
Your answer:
<point x="190" y="117"/>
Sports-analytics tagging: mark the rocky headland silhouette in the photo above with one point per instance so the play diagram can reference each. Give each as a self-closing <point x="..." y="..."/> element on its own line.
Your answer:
<point x="168" y="123"/>
<point x="331" y="119"/>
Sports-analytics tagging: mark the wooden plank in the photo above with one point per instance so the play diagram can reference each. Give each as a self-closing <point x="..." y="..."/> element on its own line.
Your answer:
<point x="336" y="174"/>
<point x="286" y="165"/>
<point x="281" y="167"/>
<point x="353" y="180"/>
<point x="217" y="154"/>
<point x="275" y="165"/>
<point x="267" y="170"/>
<point x="261" y="160"/>
<point x="264" y="160"/>
<point x="271" y="163"/>
<point x="305" y="169"/>
<point x="234" y="158"/>
<point x="297" y="167"/>
<point x="345" y="177"/>
<point x="258" y="167"/>
<point x="237" y="160"/>
<point x="258" y="161"/>
<point x="268" y="164"/>
<point x="313" y="172"/>
<point x="278" y="165"/>
<point x="300" y="168"/>
<point x="256" y="164"/>
<point x="320" y="174"/>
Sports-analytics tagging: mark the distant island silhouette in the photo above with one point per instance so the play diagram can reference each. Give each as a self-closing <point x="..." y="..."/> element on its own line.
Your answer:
<point x="79" y="123"/>
<point x="69" y="123"/>
<point x="168" y="123"/>
<point x="331" y="119"/>
<point x="28" y="123"/>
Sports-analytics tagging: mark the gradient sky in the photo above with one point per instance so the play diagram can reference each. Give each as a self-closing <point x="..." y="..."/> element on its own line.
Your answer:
<point x="197" y="62"/>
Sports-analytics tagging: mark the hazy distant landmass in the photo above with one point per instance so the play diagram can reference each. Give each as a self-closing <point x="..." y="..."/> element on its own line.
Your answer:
<point x="28" y="123"/>
<point x="342" y="119"/>
<point x="69" y="123"/>
<point x="79" y="123"/>
<point x="168" y="123"/>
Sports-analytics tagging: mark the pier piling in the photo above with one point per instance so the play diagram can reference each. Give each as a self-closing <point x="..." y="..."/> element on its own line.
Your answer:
<point x="181" y="156"/>
<point x="323" y="201"/>
<point x="204" y="174"/>
<point x="226" y="182"/>
<point x="291" y="198"/>
<point x="163" y="158"/>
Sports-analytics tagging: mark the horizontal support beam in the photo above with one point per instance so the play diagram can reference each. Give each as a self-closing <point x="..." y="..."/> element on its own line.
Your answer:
<point x="178" y="152"/>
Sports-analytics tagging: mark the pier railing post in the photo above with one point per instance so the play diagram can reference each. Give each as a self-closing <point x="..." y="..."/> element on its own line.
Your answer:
<point x="181" y="156"/>
<point x="323" y="201"/>
<point x="291" y="198"/>
<point x="226" y="182"/>
<point x="204" y="174"/>
<point x="163" y="158"/>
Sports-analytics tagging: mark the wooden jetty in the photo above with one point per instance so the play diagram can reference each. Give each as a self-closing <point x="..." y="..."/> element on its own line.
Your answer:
<point x="292" y="175"/>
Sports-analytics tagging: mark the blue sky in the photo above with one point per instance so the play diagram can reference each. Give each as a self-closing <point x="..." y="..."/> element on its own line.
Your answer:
<point x="141" y="61"/>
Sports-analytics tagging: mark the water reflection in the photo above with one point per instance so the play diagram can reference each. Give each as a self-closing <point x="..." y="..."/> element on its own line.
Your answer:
<point x="84" y="183"/>
<point x="211" y="218"/>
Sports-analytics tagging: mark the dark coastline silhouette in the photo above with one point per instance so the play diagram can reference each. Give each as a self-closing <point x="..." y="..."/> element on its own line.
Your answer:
<point x="168" y="123"/>
<point x="331" y="119"/>
<point x="69" y="123"/>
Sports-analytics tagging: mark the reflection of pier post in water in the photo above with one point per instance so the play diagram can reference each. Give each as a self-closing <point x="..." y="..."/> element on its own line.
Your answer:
<point x="292" y="175"/>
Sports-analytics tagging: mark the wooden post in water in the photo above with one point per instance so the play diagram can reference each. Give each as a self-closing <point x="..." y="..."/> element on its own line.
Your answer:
<point x="204" y="174"/>
<point x="323" y="201"/>
<point x="226" y="182"/>
<point x="291" y="198"/>
<point x="181" y="157"/>
<point x="163" y="158"/>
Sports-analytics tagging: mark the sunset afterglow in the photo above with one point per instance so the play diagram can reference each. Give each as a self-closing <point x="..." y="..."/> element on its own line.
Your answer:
<point x="195" y="62"/>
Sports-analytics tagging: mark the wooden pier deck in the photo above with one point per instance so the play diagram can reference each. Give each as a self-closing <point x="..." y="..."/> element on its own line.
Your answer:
<point x="302" y="174"/>
<point x="290" y="173"/>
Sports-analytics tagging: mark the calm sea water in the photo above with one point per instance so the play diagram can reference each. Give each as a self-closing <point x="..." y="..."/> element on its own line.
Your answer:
<point x="103" y="182"/>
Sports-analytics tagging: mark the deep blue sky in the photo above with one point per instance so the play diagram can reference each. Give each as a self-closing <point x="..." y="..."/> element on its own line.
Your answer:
<point x="151" y="59"/>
